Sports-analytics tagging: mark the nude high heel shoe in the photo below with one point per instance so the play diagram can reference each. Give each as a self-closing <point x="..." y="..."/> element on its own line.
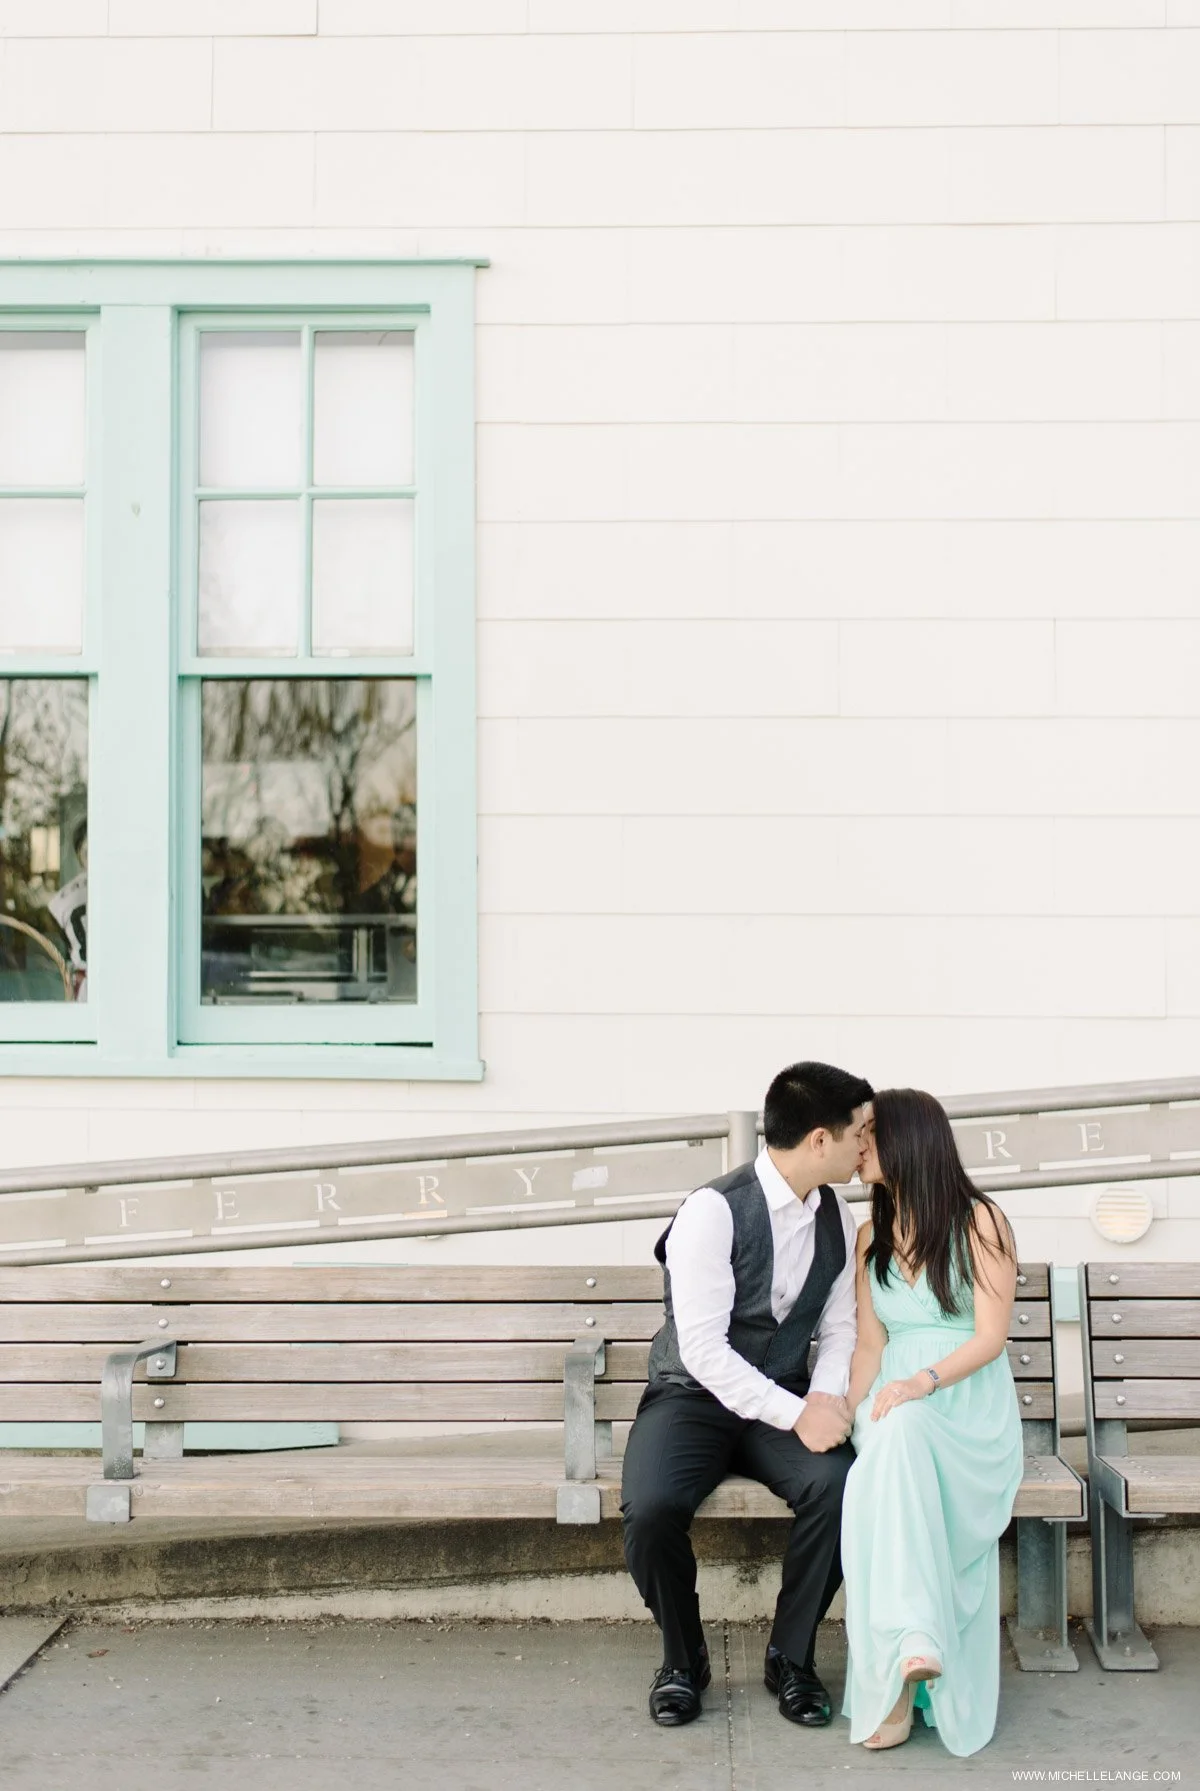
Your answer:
<point x="915" y="1669"/>
<point x="893" y="1733"/>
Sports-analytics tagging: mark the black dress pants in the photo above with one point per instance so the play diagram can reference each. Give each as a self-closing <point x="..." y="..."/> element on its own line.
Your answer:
<point x="683" y="1443"/>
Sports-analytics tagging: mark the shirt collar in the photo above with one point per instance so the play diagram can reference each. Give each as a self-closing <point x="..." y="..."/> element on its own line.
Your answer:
<point x="777" y="1191"/>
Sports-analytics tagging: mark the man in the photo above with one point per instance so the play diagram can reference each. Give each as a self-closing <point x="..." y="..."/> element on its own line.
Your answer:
<point x="757" y="1266"/>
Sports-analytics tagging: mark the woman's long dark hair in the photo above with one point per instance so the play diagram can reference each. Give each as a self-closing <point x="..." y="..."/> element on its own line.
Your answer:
<point x="925" y="1184"/>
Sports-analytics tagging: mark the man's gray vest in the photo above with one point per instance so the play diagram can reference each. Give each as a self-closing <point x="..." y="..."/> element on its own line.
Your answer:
<point x="778" y="1350"/>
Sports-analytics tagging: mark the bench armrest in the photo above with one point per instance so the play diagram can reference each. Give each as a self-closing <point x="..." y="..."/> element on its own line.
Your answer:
<point x="116" y="1400"/>
<point x="585" y="1360"/>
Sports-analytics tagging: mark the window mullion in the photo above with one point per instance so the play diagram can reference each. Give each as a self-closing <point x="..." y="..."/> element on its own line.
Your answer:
<point x="129" y="861"/>
<point x="308" y="340"/>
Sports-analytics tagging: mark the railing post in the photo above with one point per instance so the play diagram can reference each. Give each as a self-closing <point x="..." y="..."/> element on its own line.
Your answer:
<point x="743" y="1140"/>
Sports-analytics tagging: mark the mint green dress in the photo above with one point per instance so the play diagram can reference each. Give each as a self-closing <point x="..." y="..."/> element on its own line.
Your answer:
<point x="927" y="1500"/>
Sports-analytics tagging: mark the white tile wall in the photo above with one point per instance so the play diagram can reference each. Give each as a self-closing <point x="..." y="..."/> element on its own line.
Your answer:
<point x="114" y="85"/>
<point x="839" y="497"/>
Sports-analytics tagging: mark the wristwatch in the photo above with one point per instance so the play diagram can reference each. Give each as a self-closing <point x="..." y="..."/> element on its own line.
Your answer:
<point x="934" y="1376"/>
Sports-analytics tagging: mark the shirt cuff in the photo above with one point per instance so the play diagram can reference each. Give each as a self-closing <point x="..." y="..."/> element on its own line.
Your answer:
<point x="781" y="1409"/>
<point x="830" y="1379"/>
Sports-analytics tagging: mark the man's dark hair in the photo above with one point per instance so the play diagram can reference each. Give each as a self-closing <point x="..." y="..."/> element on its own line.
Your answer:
<point x="808" y="1095"/>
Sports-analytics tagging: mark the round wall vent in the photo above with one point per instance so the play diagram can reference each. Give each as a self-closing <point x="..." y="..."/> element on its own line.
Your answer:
<point x="1122" y="1215"/>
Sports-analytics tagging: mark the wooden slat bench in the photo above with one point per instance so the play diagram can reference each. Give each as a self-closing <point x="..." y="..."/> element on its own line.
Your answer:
<point x="506" y="1347"/>
<point x="1141" y="1336"/>
<point x="237" y="1344"/>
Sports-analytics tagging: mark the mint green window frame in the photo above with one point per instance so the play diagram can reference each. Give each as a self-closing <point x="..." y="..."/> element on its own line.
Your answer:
<point x="38" y="1022"/>
<point x="143" y="1016"/>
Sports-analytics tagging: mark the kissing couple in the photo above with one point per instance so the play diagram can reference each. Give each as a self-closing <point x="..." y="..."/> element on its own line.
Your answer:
<point x="898" y="1450"/>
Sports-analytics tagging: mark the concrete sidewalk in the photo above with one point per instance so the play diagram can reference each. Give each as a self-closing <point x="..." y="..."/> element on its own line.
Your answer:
<point x="524" y="1707"/>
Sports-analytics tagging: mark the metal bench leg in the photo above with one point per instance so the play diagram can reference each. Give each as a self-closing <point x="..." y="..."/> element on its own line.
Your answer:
<point x="110" y="1502"/>
<point x="578" y="1499"/>
<point x="1119" y="1643"/>
<point x="1039" y="1634"/>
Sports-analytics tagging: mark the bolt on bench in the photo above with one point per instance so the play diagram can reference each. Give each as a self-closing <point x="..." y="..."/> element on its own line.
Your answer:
<point x="1141" y="1350"/>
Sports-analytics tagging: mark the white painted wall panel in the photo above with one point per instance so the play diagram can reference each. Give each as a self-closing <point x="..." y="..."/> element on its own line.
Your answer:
<point x="1072" y="174"/>
<point x="1148" y="667"/>
<point x="1044" y="767"/>
<point x="67" y="18"/>
<point x="458" y="83"/>
<point x="118" y="85"/>
<point x="821" y="965"/>
<point x="409" y="180"/>
<point x="839" y="497"/>
<point x="1130" y="77"/>
<point x="661" y="669"/>
<point x="724" y="767"/>
<point x="947" y="668"/>
<point x="206" y="18"/>
<point x="952" y="78"/>
<point x="404" y="18"/>
<point x="848" y="570"/>
<point x="699" y="81"/>
<point x="1128" y="270"/>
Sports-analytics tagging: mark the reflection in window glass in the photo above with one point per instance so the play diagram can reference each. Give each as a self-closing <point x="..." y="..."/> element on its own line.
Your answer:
<point x="309" y="840"/>
<point x="43" y="839"/>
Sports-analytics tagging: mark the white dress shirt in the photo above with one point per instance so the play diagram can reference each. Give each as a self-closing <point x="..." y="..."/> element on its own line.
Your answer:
<point x="699" y="1257"/>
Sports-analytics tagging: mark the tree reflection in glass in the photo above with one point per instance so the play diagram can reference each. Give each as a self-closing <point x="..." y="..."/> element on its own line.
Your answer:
<point x="43" y="839"/>
<point x="309" y="840"/>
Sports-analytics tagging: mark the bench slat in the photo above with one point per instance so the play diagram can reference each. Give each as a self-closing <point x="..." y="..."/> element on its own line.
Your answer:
<point x="1144" y="1280"/>
<point x="523" y="1402"/>
<point x="1179" y="1355"/>
<point x="1030" y="1319"/>
<point x="1147" y="1399"/>
<point x="252" y="1285"/>
<point x="383" y="1323"/>
<point x="233" y="1363"/>
<point x="257" y="1286"/>
<point x="1040" y="1363"/>
<point x="419" y="1481"/>
<point x="1144" y="1318"/>
<point x="1160" y="1483"/>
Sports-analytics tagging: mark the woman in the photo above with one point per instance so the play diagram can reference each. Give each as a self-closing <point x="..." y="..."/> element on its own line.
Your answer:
<point x="937" y="1431"/>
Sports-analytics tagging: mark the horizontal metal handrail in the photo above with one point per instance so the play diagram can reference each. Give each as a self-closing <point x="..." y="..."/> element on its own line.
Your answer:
<point x="1066" y="1100"/>
<point x="854" y="1193"/>
<point x="141" y="1170"/>
<point x="567" y="1157"/>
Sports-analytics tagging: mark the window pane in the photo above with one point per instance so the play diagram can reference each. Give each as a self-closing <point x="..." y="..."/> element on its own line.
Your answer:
<point x="309" y="840"/>
<point x="363" y="405"/>
<point x="250" y="576"/>
<point x="42" y="407"/>
<point x="43" y="839"/>
<point x="250" y="408"/>
<point x="41" y="574"/>
<point x="363" y="575"/>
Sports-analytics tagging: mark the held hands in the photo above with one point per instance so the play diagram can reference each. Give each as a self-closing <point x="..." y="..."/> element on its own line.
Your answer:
<point x="825" y="1422"/>
<point x="917" y="1386"/>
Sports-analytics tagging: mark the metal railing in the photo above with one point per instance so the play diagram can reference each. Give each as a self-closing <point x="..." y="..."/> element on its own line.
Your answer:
<point x="573" y="1175"/>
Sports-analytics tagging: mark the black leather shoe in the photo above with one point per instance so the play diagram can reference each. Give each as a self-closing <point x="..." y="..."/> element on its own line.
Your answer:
<point x="802" y="1697"/>
<point x="675" y="1696"/>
